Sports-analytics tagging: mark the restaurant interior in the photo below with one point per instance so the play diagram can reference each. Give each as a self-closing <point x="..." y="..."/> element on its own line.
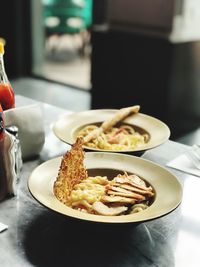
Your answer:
<point x="147" y="55"/>
<point x="84" y="55"/>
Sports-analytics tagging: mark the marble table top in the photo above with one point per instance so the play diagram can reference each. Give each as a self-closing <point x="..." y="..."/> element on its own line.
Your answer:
<point x="40" y="237"/>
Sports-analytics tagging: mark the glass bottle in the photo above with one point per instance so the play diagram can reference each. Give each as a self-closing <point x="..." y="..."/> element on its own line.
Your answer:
<point x="3" y="181"/>
<point x="7" y="96"/>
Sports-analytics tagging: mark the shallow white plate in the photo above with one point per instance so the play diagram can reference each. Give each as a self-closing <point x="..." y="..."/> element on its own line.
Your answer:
<point x="67" y="127"/>
<point x="167" y="187"/>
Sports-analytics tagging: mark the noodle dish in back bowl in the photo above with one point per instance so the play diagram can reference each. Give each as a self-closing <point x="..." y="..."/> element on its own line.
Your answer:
<point x="109" y="130"/>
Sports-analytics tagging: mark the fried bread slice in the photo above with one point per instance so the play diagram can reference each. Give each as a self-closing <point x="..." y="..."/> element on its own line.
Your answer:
<point x="72" y="171"/>
<point x="120" y="115"/>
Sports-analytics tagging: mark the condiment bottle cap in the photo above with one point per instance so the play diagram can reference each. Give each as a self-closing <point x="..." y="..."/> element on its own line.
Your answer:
<point x="1" y="47"/>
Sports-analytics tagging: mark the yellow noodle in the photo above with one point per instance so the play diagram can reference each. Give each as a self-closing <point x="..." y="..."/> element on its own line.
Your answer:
<point x="115" y="138"/>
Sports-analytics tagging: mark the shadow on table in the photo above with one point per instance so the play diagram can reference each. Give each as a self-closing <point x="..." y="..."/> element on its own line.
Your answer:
<point x="55" y="240"/>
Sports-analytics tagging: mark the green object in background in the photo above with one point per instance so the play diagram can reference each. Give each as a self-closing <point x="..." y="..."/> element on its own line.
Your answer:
<point x="67" y="16"/>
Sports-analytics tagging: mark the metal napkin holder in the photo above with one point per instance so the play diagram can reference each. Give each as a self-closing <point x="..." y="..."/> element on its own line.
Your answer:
<point x="12" y="160"/>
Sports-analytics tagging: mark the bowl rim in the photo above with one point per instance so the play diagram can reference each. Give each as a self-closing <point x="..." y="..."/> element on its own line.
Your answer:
<point x="66" y="126"/>
<point x="171" y="186"/>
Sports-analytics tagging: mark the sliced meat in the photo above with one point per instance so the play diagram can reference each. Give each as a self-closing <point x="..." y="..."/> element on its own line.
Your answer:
<point x="118" y="199"/>
<point x="135" y="189"/>
<point x="131" y="181"/>
<point x="129" y="194"/>
<point x="136" y="179"/>
<point x="125" y="191"/>
<point x="82" y="204"/>
<point x="102" y="209"/>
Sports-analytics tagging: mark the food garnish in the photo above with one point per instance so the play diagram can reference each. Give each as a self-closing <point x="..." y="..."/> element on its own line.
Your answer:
<point x="72" y="171"/>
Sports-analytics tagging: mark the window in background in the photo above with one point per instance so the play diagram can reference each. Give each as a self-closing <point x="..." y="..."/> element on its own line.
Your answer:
<point x="61" y="47"/>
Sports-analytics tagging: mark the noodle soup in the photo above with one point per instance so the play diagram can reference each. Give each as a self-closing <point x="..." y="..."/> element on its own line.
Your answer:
<point x="121" y="137"/>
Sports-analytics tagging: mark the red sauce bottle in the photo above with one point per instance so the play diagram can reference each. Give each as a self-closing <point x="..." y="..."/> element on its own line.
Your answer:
<point x="7" y="96"/>
<point x="7" y="101"/>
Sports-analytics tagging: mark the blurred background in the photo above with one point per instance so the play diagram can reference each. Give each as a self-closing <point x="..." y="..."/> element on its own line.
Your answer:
<point x="84" y="54"/>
